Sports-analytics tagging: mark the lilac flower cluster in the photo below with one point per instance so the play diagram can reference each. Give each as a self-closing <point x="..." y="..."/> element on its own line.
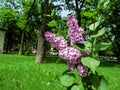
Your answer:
<point x="70" y="54"/>
<point x="57" y="42"/>
<point x="75" y="32"/>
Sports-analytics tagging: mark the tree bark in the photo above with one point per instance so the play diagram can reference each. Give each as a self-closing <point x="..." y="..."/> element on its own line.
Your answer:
<point x="41" y="40"/>
<point x="78" y="10"/>
<point x="78" y="13"/>
<point x="22" y="43"/>
<point x="40" y="47"/>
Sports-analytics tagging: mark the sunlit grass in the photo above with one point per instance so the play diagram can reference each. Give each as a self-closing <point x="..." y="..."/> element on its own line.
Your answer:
<point x="112" y="74"/>
<point x="21" y="73"/>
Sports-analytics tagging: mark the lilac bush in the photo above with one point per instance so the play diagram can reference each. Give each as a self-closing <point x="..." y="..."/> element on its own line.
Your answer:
<point x="70" y="54"/>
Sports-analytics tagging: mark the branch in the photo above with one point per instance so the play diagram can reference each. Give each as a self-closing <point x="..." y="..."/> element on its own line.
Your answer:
<point x="29" y="13"/>
<point x="82" y="3"/>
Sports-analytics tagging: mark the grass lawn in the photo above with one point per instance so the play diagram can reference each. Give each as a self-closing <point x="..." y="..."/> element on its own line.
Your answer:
<point x="21" y="73"/>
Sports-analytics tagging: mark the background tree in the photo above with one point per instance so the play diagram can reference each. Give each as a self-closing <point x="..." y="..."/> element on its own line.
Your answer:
<point x="28" y="13"/>
<point x="41" y="40"/>
<point x="8" y="19"/>
<point x="112" y="22"/>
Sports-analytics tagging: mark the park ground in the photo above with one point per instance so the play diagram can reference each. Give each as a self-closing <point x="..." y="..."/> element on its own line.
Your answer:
<point x="21" y="73"/>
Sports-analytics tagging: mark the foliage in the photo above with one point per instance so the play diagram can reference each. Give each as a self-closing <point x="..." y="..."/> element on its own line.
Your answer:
<point x="8" y="19"/>
<point x="91" y="63"/>
<point x="112" y="21"/>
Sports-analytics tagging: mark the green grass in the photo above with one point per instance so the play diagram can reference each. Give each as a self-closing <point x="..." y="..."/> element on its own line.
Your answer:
<point x="21" y="73"/>
<point x="111" y="71"/>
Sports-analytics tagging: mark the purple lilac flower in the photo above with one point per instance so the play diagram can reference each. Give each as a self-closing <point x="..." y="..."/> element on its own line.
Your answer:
<point x="82" y="70"/>
<point x="60" y="43"/>
<point x="71" y="56"/>
<point x="57" y="42"/>
<point x="75" y="32"/>
<point x="49" y="36"/>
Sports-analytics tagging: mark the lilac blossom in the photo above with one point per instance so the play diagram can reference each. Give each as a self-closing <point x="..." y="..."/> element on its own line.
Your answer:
<point x="69" y="53"/>
<point x="49" y="36"/>
<point x="82" y="70"/>
<point x="71" y="56"/>
<point x="57" y="42"/>
<point x="75" y="32"/>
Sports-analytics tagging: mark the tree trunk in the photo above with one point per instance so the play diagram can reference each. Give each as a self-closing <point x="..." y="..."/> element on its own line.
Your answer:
<point x="22" y="43"/>
<point x="40" y="47"/>
<point x="78" y="10"/>
<point x="78" y="13"/>
<point x="41" y="40"/>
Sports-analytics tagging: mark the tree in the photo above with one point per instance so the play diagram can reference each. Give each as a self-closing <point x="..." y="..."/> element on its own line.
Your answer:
<point x="112" y="21"/>
<point x="8" y="19"/>
<point x="29" y="15"/>
<point x="76" y="6"/>
<point x="41" y="40"/>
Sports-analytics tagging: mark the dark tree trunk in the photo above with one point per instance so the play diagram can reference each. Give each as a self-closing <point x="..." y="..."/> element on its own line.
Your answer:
<point x="78" y="10"/>
<point x="41" y="40"/>
<point x="22" y="43"/>
<point x="9" y="42"/>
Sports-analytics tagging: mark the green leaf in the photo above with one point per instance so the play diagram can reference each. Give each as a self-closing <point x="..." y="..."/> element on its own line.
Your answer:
<point x="48" y="15"/>
<point x="100" y="4"/>
<point x="88" y="44"/>
<point x="53" y="11"/>
<point x="95" y="80"/>
<point x="94" y="41"/>
<point x="101" y="46"/>
<point x="106" y="3"/>
<point x="94" y="25"/>
<point x="90" y="63"/>
<point x="66" y="80"/>
<point x="77" y="87"/>
<point x="103" y="4"/>
<point x="103" y="84"/>
<point x="88" y="0"/>
<point x="100" y="32"/>
<point x="52" y="23"/>
<point x="90" y="13"/>
<point x="80" y="47"/>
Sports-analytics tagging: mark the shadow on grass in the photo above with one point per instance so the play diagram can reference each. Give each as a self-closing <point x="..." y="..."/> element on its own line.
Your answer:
<point x="109" y="64"/>
<point x="53" y="59"/>
<point x="57" y="59"/>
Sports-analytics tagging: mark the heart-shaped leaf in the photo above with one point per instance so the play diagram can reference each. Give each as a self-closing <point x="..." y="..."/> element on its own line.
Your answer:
<point x="90" y="63"/>
<point x="101" y="46"/>
<point x="100" y="32"/>
<point x="52" y="23"/>
<point x="67" y="80"/>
